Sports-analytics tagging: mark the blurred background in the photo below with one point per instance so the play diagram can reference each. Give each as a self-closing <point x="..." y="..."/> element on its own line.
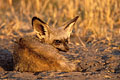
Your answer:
<point x="99" y="19"/>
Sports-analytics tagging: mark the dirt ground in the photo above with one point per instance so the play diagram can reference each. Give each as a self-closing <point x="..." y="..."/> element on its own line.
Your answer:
<point x="100" y="62"/>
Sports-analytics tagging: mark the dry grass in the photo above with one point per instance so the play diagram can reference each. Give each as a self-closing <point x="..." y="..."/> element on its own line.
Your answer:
<point x="98" y="18"/>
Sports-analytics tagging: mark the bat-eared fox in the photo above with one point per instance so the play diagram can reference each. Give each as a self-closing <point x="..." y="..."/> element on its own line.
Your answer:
<point x="40" y="52"/>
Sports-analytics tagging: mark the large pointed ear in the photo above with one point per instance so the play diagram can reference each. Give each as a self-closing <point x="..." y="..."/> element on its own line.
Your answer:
<point x="40" y="27"/>
<point x="68" y="27"/>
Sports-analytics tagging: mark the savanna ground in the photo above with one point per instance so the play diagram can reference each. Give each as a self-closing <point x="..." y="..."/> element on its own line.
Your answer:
<point x="95" y="41"/>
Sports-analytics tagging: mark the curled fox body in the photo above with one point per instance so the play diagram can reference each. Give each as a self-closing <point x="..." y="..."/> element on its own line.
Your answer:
<point x="40" y="52"/>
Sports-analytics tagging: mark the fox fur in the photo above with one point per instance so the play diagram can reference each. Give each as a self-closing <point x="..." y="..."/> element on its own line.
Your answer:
<point x="40" y="52"/>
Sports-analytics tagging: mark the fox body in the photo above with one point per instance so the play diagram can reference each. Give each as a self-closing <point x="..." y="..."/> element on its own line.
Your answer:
<point x="40" y="52"/>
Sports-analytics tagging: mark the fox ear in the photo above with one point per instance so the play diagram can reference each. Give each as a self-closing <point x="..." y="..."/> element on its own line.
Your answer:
<point x="40" y="27"/>
<point x="68" y="27"/>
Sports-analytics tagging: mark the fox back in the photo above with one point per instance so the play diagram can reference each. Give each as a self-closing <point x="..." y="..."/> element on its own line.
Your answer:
<point x="41" y="52"/>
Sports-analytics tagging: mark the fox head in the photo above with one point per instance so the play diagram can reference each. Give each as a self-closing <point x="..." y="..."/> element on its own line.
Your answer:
<point x="57" y="37"/>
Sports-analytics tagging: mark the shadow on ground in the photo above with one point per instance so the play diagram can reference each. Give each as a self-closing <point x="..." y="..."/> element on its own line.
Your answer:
<point x="6" y="60"/>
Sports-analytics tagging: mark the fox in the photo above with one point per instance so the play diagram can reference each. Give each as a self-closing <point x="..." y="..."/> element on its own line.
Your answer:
<point x="41" y="52"/>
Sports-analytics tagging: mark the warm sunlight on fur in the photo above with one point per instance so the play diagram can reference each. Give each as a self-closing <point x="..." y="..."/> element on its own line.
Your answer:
<point x="41" y="52"/>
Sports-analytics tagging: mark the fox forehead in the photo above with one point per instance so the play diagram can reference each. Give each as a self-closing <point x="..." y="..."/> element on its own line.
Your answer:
<point x="58" y="34"/>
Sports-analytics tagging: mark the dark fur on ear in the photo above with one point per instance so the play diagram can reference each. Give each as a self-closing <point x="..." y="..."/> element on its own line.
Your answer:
<point x="73" y="20"/>
<point x="35" y="18"/>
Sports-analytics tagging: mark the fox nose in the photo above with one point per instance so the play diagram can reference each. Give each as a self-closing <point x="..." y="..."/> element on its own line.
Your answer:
<point x="66" y="47"/>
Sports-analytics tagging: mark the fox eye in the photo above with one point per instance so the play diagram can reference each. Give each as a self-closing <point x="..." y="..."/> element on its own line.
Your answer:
<point x="66" y="40"/>
<point x="57" y="41"/>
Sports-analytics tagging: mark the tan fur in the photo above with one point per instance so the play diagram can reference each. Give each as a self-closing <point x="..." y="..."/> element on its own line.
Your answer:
<point x="34" y="55"/>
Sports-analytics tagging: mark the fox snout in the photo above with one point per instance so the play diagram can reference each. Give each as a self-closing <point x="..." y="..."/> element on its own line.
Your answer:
<point x="61" y="45"/>
<point x="64" y="49"/>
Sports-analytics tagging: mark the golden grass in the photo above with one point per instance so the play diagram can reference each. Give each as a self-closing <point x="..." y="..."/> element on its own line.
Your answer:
<point x="98" y="18"/>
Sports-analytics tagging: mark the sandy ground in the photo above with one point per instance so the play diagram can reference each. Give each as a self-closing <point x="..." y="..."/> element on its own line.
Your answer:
<point x="100" y="62"/>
